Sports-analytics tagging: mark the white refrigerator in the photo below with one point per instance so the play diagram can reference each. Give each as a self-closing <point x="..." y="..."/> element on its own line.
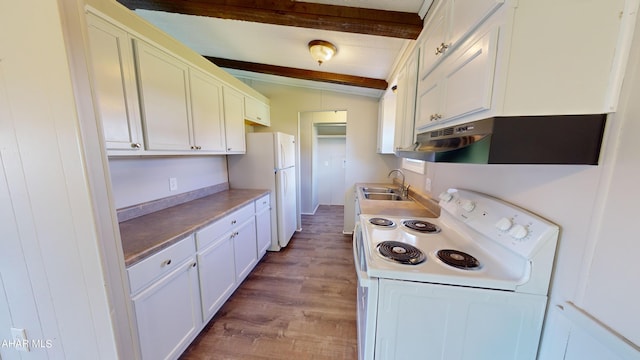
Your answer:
<point x="269" y="163"/>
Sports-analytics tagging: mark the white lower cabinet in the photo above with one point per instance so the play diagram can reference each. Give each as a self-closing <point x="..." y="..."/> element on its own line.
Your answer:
<point x="176" y="291"/>
<point x="217" y="275"/>
<point x="263" y="225"/>
<point x="245" y="248"/>
<point x="167" y="311"/>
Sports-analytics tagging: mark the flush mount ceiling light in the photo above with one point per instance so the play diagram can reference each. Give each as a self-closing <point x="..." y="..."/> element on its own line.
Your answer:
<point x="322" y="50"/>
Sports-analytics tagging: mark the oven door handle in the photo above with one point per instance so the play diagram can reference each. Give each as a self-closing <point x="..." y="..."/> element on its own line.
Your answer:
<point x="363" y="278"/>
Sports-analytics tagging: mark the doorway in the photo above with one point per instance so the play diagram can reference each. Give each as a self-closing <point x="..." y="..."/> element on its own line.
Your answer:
<point x="331" y="163"/>
<point x="322" y="141"/>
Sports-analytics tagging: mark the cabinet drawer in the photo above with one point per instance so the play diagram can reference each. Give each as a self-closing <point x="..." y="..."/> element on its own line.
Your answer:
<point x="212" y="232"/>
<point x="146" y="271"/>
<point x="263" y="203"/>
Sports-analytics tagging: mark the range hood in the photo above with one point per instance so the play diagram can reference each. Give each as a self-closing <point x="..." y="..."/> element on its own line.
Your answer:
<point x="562" y="139"/>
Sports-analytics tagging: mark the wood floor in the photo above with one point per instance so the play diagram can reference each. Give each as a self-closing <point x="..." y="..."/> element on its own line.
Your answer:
<point x="299" y="303"/>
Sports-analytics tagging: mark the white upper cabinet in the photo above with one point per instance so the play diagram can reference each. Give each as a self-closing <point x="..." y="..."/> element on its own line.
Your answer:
<point x="386" y="122"/>
<point x="234" y="121"/>
<point x="115" y="84"/>
<point x="207" y="112"/>
<point x="156" y="102"/>
<point x="520" y="58"/>
<point x="162" y="82"/>
<point x="462" y="84"/>
<point x="449" y="24"/>
<point x="406" y="103"/>
<point x="257" y="111"/>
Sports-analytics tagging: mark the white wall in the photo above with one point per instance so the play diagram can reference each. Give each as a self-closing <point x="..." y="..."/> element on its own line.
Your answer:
<point x="363" y="163"/>
<point x="191" y="172"/>
<point x="52" y="273"/>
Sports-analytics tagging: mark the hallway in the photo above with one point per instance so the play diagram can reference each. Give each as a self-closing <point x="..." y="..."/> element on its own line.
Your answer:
<point x="299" y="303"/>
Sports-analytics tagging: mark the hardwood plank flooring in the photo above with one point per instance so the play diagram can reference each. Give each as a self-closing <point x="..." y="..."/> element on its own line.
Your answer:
<point x="299" y="303"/>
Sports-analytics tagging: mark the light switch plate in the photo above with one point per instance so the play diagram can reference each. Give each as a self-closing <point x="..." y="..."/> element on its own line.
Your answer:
<point x="173" y="184"/>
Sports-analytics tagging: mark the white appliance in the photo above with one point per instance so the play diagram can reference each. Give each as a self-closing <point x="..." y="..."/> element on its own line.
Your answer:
<point x="470" y="284"/>
<point x="269" y="163"/>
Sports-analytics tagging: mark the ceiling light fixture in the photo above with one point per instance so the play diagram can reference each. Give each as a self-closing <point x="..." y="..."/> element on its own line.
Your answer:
<point x="322" y="50"/>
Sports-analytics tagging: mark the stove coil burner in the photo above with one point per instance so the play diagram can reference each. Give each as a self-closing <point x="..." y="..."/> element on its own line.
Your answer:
<point x="382" y="222"/>
<point x="421" y="226"/>
<point x="401" y="252"/>
<point x="458" y="259"/>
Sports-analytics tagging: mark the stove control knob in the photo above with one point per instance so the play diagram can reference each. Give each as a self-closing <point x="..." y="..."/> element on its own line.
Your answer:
<point x="504" y="224"/>
<point x="468" y="205"/>
<point x="446" y="197"/>
<point x="518" y="232"/>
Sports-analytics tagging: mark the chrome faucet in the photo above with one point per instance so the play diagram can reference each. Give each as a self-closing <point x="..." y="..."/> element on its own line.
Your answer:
<point x="403" y="189"/>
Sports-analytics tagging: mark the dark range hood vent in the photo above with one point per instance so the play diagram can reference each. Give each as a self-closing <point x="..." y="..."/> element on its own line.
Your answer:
<point x="562" y="139"/>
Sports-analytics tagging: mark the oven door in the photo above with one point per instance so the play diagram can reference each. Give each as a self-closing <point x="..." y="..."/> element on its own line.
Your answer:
<point x="367" y="299"/>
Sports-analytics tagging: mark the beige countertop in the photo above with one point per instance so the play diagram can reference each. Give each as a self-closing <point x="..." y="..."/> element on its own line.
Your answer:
<point x="148" y="234"/>
<point x="418" y="206"/>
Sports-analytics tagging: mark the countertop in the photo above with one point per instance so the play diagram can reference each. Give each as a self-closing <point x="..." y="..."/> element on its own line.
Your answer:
<point x="419" y="206"/>
<point x="146" y="235"/>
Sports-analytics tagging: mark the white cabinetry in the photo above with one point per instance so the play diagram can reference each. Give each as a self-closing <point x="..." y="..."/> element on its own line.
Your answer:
<point x="448" y="25"/>
<point x="234" y="121"/>
<point x="217" y="272"/>
<point x="207" y="112"/>
<point x="226" y="254"/>
<point x="162" y="82"/>
<point x="114" y="84"/>
<point x="406" y="103"/>
<point x="386" y="122"/>
<point x="257" y="111"/>
<point x="263" y="225"/>
<point x="166" y="301"/>
<point x="519" y="58"/>
<point x="462" y="84"/>
<point x="245" y="247"/>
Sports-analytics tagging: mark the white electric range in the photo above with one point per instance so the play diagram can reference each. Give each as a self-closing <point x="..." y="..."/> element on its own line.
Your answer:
<point x="470" y="284"/>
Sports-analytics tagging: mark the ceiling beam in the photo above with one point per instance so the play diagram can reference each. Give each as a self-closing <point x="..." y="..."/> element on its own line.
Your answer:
<point x="350" y="80"/>
<point x="295" y="13"/>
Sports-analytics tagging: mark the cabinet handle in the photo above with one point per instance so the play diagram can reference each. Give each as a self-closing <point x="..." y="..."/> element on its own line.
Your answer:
<point x="435" y="117"/>
<point x="193" y="147"/>
<point x="165" y="263"/>
<point x="441" y="49"/>
<point x="198" y="147"/>
<point x="136" y="145"/>
<point x="228" y="149"/>
<point x="194" y="264"/>
<point x="233" y="222"/>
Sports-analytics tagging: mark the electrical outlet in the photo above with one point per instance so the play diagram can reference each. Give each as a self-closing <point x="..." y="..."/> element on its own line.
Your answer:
<point x="173" y="184"/>
<point x="20" y="338"/>
<point x="427" y="185"/>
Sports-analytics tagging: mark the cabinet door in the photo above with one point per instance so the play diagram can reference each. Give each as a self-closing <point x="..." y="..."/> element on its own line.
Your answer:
<point x="256" y="111"/>
<point x="162" y="81"/>
<point x="469" y="77"/>
<point x="263" y="231"/>
<point x="217" y="275"/>
<point x="168" y="313"/>
<point x="245" y="248"/>
<point x="406" y="103"/>
<point x="234" y="121"/>
<point x="467" y="15"/>
<point x="386" y="123"/>
<point x="207" y="112"/>
<point x="115" y="84"/>
<point x="436" y="44"/>
<point x="429" y="101"/>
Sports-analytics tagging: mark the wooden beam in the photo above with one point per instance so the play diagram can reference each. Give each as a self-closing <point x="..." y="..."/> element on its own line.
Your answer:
<point x="321" y="76"/>
<point x="295" y="13"/>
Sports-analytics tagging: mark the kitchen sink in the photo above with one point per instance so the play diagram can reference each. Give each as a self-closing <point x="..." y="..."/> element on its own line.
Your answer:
<point x="379" y="190"/>
<point x="384" y="196"/>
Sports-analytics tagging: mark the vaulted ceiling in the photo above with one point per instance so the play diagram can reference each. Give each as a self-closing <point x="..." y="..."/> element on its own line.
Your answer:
<point x="270" y="37"/>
